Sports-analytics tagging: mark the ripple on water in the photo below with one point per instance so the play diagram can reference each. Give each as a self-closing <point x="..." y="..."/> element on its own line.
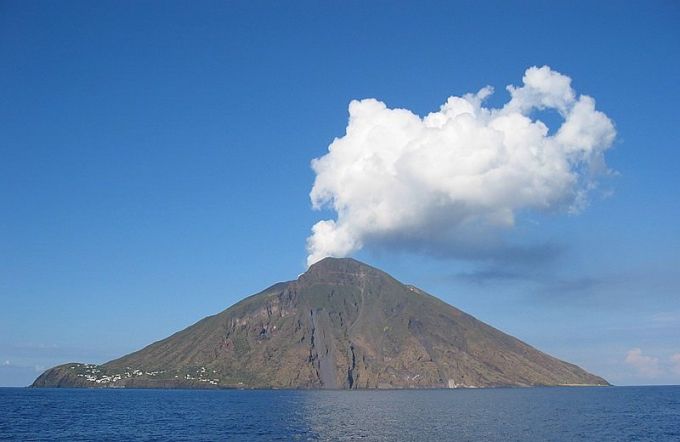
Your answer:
<point x="552" y="414"/>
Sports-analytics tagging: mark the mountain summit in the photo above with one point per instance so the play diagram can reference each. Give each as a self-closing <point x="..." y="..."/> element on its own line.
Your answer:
<point x="341" y="324"/>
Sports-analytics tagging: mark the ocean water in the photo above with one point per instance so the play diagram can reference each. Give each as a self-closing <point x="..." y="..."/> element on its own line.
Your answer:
<point x="546" y="414"/>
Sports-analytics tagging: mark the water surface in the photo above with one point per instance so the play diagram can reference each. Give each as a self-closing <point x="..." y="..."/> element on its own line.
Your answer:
<point x="552" y="414"/>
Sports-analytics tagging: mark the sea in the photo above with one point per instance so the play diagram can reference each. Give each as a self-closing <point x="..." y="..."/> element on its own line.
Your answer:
<point x="501" y="414"/>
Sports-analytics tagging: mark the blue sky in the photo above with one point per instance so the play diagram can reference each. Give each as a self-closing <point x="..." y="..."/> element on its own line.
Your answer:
<point x="155" y="167"/>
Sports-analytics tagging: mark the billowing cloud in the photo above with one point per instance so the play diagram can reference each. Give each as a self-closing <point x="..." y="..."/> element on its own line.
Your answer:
<point x="647" y="366"/>
<point x="457" y="175"/>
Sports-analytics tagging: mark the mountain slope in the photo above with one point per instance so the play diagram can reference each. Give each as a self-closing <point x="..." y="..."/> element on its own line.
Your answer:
<point x="342" y="324"/>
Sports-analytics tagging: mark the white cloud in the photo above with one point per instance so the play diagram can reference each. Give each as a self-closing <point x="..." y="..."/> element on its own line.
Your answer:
<point x="675" y="363"/>
<point x="458" y="174"/>
<point x="646" y="365"/>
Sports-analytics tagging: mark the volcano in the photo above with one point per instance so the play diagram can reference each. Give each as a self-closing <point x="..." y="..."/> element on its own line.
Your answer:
<point x="340" y="325"/>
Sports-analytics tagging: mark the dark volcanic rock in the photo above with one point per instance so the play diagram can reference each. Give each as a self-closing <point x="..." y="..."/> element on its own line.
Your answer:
<point x="342" y="324"/>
